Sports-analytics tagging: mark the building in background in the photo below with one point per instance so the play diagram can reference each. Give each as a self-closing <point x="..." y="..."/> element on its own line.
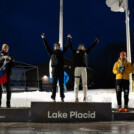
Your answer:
<point x="43" y="76"/>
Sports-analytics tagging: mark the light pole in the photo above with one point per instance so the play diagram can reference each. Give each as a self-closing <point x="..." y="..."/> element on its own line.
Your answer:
<point x="61" y="24"/>
<point x="128" y="38"/>
<point x="121" y="6"/>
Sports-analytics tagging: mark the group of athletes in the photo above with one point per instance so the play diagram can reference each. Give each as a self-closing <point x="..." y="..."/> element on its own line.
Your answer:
<point x="122" y="68"/>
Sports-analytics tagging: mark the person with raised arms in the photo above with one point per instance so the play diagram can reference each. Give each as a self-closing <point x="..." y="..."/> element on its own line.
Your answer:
<point x="80" y="64"/>
<point x="57" y="64"/>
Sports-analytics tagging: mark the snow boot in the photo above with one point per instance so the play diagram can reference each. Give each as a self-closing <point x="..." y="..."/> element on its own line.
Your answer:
<point x="76" y="100"/>
<point x="84" y="100"/>
<point x="8" y="104"/>
<point x="120" y="109"/>
<point x="126" y="110"/>
<point x="53" y="98"/>
<point x="62" y="99"/>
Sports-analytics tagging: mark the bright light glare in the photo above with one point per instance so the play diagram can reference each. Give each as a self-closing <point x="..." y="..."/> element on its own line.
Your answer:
<point x="45" y="77"/>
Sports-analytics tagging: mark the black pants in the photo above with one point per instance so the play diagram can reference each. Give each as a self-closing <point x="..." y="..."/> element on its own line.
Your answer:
<point x="8" y="88"/>
<point x="122" y="85"/>
<point x="58" y="74"/>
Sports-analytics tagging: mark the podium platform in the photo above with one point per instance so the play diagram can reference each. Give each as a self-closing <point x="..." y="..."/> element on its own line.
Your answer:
<point x="14" y="114"/>
<point x="49" y="112"/>
<point x="124" y="116"/>
<point x="70" y="112"/>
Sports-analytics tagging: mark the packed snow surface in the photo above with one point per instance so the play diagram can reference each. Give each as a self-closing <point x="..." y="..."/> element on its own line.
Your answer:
<point x="24" y="99"/>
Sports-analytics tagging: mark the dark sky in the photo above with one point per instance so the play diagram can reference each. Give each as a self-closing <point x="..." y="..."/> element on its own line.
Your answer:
<point x="22" y="22"/>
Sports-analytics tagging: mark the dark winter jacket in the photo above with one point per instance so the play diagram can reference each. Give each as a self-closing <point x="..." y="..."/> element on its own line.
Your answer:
<point x="9" y="65"/>
<point x="80" y="56"/>
<point x="56" y="55"/>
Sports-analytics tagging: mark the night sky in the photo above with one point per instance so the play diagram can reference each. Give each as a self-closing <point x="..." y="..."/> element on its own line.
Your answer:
<point x="23" y="21"/>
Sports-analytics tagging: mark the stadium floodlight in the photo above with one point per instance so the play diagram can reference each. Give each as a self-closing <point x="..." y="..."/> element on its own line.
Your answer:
<point x="116" y="5"/>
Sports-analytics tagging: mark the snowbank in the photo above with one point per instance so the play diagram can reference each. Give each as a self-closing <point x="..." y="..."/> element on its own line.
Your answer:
<point x="24" y="99"/>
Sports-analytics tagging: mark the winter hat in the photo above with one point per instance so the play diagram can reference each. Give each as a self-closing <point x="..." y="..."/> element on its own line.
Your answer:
<point x="123" y="53"/>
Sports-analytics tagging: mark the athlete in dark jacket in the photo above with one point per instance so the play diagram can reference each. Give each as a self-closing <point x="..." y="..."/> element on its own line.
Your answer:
<point x="80" y="63"/>
<point x="80" y="55"/>
<point x="7" y="59"/>
<point x="57" y="64"/>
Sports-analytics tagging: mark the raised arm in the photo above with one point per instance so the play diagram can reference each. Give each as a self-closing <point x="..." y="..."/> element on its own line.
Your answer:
<point x="71" y="46"/>
<point x="67" y="44"/>
<point x="49" y="50"/>
<point x="93" y="45"/>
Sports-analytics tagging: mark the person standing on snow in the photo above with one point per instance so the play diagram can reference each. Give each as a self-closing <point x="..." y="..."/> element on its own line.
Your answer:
<point x="6" y="63"/>
<point x="122" y="68"/>
<point x="80" y="64"/>
<point x="57" y="66"/>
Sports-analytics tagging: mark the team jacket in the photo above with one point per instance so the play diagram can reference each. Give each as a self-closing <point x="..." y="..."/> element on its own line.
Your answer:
<point x="9" y="65"/>
<point x="128" y="69"/>
<point x="56" y="55"/>
<point x="80" y="56"/>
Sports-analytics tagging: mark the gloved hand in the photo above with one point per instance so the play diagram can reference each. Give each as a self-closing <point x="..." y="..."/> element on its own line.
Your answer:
<point x="8" y="58"/>
<point x="42" y="35"/>
<point x="97" y="40"/>
<point x="69" y="36"/>
<point x="6" y="62"/>
<point x="121" y="69"/>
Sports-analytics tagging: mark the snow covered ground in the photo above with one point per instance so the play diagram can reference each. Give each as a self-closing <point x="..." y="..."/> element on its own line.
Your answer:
<point x="24" y="99"/>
